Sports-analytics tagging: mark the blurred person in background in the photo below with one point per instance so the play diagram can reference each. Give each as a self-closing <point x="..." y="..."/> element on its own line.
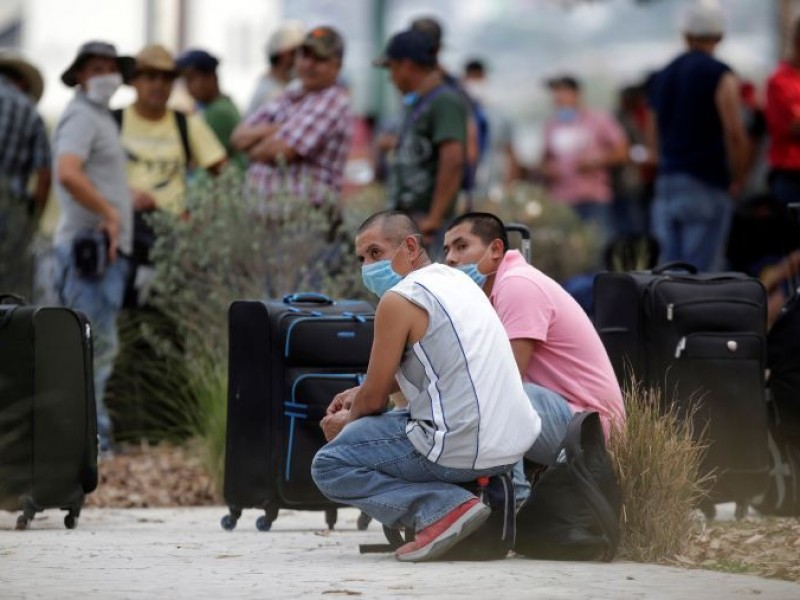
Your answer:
<point x="580" y="148"/>
<point x="300" y="142"/>
<point x="161" y="147"/>
<point x="699" y="138"/>
<point x="199" y="71"/>
<point x="24" y="153"/>
<point x="498" y="164"/>
<point x="93" y="194"/>
<point x="783" y="123"/>
<point x="281" y="54"/>
<point x="427" y="164"/>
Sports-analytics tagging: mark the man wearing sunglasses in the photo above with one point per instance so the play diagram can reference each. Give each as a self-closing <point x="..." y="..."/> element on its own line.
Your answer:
<point x="299" y="142"/>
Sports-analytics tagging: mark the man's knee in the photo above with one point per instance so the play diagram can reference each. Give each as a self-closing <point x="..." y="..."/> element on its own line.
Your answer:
<point x="324" y="469"/>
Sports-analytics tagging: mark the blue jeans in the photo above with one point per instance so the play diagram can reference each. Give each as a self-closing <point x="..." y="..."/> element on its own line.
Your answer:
<point x="691" y="221"/>
<point x="371" y="465"/>
<point x="100" y="300"/>
<point x="600" y="215"/>
<point x="555" y="414"/>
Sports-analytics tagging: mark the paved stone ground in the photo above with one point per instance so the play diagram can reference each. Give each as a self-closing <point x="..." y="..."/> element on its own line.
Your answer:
<point x="183" y="553"/>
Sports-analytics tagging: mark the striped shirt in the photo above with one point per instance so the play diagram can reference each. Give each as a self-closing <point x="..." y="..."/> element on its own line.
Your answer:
<point x="467" y="407"/>
<point x="23" y="139"/>
<point x="318" y="126"/>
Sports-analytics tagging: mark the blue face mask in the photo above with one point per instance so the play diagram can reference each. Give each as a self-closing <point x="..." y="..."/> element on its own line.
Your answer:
<point x="472" y="271"/>
<point x="379" y="277"/>
<point x="565" y="115"/>
<point x="410" y="98"/>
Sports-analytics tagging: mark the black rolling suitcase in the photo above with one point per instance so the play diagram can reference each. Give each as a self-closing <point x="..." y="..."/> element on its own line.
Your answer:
<point x="48" y="421"/>
<point x="287" y="360"/>
<point x="700" y="338"/>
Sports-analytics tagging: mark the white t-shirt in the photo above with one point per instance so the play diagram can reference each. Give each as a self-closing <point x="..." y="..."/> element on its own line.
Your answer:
<point x="466" y="403"/>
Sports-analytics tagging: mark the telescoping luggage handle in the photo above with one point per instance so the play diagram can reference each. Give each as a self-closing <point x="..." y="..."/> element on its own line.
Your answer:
<point x="525" y="233"/>
<point x="675" y="266"/>
<point x="8" y="302"/>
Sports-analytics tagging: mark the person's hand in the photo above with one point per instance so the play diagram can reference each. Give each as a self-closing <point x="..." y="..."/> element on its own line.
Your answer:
<point x="429" y="227"/>
<point x="342" y="401"/>
<point x="143" y="201"/>
<point x="333" y="424"/>
<point x="110" y="225"/>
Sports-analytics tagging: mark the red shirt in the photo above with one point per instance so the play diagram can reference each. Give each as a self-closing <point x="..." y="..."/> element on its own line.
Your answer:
<point x="783" y="109"/>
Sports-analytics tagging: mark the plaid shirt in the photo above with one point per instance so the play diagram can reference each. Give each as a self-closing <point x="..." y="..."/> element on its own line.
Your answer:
<point x="319" y="127"/>
<point x="23" y="139"/>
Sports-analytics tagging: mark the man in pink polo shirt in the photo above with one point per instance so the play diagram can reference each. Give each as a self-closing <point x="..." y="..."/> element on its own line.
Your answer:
<point x="563" y="363"/>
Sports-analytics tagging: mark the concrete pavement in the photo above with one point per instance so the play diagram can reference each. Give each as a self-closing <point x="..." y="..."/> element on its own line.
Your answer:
<point x="183" y="553"/>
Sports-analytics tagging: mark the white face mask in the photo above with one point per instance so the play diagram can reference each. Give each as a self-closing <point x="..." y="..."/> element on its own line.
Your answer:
<point x="100" y="88"/>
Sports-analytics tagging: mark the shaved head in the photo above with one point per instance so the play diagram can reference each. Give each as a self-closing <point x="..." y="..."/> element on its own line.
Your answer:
<point x="394" y="226"/>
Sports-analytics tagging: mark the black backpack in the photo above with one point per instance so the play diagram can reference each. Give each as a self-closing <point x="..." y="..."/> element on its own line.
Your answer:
<point x="573" y="510"/>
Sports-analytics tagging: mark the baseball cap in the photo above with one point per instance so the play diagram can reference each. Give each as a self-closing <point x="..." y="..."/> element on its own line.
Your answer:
<point x="126" y="64"/>
<point x="156" y="57"/>
<point x="563" y="81"/>
<point x="32" y="77"/>
<point x="430" y="26"/>
<point x="324" y="42"/>
<point x="287" y="37"/>
<point x="704" y="19"/>
<point x="412" y="45"/>
<point x="197" y="59"/>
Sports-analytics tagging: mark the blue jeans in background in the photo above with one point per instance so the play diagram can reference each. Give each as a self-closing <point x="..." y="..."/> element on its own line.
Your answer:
<point x="601" y="216"/>
<point x="555" y="414"/>
<point x="373" y="466"/>
<point x="691" y="221"/>
<point x="100" y="300"/>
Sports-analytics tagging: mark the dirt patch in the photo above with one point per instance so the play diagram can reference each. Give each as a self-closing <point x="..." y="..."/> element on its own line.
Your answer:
<point x="153" y="476"/>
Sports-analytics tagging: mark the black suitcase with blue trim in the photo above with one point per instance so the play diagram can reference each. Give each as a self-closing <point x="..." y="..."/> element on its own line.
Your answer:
<point x="287" y="360"/>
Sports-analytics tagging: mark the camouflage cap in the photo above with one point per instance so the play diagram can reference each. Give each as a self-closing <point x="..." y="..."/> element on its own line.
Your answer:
<point x="324" y="42"/>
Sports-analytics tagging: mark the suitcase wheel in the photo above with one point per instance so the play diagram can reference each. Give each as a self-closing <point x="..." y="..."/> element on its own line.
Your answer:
<point x="262" y="524"/>
<point x="70" y="521"/>
<point x="228" y="522"/>
<point x="363" y="521"/>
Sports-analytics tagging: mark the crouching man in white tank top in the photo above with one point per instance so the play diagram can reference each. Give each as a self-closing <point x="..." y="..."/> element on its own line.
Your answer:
<point x="439" y="341"/>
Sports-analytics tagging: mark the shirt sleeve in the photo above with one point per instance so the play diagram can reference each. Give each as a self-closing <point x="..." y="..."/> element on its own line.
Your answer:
<point x="523" y="308"/>
<point x="307" y="130"/>
<point x="222" y="119"/>
<point x="75" y="134"/>
<point x="206" y="149"/>
<point x="449" y="118"/>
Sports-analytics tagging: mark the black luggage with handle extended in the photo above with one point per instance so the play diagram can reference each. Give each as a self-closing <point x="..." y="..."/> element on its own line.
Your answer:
<point x="287" y="360"/>
<point x="700" y="338"/>
<point x="48" y="419"/>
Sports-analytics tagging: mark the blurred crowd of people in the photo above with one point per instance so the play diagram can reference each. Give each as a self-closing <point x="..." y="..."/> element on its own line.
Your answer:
<point x="684" y="147"/>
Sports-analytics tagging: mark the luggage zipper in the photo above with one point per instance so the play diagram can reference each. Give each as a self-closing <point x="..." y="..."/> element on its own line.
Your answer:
<point x="343" y="318"/>
<point x="680" y="347"/>
<point x="671" y="306"/>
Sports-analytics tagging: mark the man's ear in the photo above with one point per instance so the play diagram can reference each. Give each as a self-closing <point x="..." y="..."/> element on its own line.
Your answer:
<point x="496" y="249"/>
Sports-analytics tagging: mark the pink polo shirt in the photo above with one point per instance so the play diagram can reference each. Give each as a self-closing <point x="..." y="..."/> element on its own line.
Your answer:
<point x="569" y="357"/>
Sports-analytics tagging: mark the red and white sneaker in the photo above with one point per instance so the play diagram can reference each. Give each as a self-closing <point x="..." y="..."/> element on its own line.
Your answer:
<point x="439" y="537"/>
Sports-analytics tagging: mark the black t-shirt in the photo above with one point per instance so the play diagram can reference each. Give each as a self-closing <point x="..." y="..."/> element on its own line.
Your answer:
<point x="691" y="139"/>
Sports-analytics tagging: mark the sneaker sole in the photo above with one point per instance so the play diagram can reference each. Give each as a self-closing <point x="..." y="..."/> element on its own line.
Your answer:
<point x="464" y="526"/>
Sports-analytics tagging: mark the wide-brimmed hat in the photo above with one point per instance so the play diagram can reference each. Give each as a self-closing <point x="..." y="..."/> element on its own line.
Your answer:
<point x="32" y="77"/>
<point x="156" y="57"/>
<point x="95" y="48"/>
<point x="289" y="36"/>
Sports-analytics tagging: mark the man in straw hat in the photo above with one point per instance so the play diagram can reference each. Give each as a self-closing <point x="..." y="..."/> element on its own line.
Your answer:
<point x="93" y="195"/>
<point x="281" y="53"/>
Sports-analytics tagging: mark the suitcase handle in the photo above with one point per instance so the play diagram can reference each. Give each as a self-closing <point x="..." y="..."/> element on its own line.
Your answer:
<point x="307" y="298"/>
<point x="675" y="266"/>
<point x="525" y="233"/>
<point x="15" y="299"/>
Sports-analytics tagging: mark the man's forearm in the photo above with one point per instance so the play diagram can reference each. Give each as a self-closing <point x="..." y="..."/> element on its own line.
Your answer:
<point x="81" y="189"/>
<point x="448" y="183"/>
<point x="42" y="191"/>
<point x="737" y="146"/>
<point x="366" y="403"/>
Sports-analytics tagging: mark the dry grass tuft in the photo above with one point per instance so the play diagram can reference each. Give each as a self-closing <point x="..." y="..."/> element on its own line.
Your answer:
<point x="657" y="459"/>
